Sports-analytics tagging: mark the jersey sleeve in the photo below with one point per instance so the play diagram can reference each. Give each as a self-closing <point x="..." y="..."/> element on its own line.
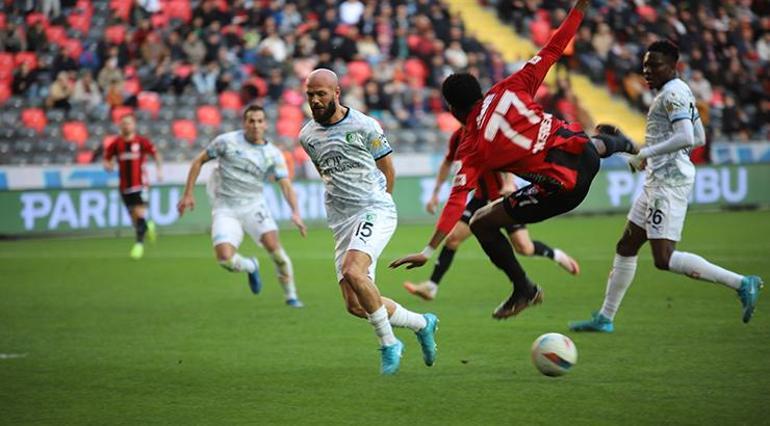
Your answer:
<point x="148" y="147"/>
<point x="278" y="168"/>
<point x="216" y="148"/>
<point x="678" y="106"/>
<point x="463" y="182"/>
<point x="454" y="143"/>
<point x="376" y="142"/>
<point x="532" y="75"/>
<point x="109" y="151"/>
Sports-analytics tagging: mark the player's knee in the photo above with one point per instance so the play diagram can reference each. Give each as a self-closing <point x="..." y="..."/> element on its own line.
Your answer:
<point x="453" y="242"/>
<point x="661" y="262"/>
<point x="352" y="274"/>
<point x="524" y="248"/>
<point x="223" y="257"/>
<point x="626" y="248"/>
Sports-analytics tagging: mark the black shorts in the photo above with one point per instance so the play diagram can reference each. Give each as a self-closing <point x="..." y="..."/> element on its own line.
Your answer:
<point x="133" y="199"/>
<point x="536" y="203"/>
<point x="476" y="203"/>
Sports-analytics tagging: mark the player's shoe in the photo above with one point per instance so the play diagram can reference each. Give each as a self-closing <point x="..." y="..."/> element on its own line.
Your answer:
<point x="749" y="294"/>
<point x="566" y="261"/>
<point x="295" y="303"/>
<point x="598" y="323"/>
<point x="391" y="358"/>
<point x="427" y="338"/>
<point x="424" y="290"/>
<point x="255" y="281"/>
<point x="152" y="233"/>
<point x="610" y="133"/>
<point x="137" y="251"/>
<point x="517" y="303"/>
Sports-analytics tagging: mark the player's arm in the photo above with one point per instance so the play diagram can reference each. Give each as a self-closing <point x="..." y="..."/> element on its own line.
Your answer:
<point x="443" y="172"/>
<point x="535" y="70"/>
<point x="385" y="164"/>
<point x="464" y="182"/>
<point x="291" y="197"/>
<point x="158" y="165"/>
<point x="188" y="200"/>
<point x="109" y="152"/>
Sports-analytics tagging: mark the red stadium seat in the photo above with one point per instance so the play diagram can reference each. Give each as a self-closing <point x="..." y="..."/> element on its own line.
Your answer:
<point x="34" y="118"/>
<point x="56" y="34"/>
<point x="2" y="21"/>
<point x="7" y="64"/>
<point x="185" y="130"/>
<point x="5" y="92"/>
<point x="84" y="157"/>
<point x="159" y="20"/>
<point x="108" y="140"/>
<point x="208" y="115"/>
<point x="416" y="71"/>
<point x="178" y="9"/>
<point x="149" y="101"/>
<point x="132" y="86"/>
<point x="34" y="18"/>
<point x="80" y="22"/>
<point x="75" y="132"/>
<point x="73" y="47"/>
<point x="359" y="72"/>
<point x="183" y="70"/>
<point x="446" y="122"/>
<point x="230" y="100"/>
<point x="288" y="128"/>
<point x="115" y="34"/>
<point x="122" y="8"/>
<point x="119" y="112"/>
<point x="29" y="57"/>
<point x="290" y="112"/>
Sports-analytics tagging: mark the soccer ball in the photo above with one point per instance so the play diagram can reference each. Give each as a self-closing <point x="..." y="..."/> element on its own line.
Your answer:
<point x="554" y="354"/>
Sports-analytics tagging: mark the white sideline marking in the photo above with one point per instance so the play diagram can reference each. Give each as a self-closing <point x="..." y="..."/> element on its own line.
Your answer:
<point x="11" y="356"/>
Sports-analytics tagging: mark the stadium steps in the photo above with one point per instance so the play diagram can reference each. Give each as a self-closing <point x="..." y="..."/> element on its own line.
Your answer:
<point x="604" y="108"/>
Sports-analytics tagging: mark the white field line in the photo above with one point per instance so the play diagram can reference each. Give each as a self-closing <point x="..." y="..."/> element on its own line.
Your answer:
<point x="12" y="356"/>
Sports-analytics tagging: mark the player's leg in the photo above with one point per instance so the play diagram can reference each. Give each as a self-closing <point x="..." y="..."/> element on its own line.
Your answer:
<point x="226" y="236"/>
<point x="427" y="290"/>
<point x="136" y="210"/>
<point x="283" y="267"/>
<point x="525" y="246"/>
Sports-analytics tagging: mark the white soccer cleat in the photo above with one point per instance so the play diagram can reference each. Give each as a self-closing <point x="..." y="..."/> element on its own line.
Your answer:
<point x="424" y="290"/>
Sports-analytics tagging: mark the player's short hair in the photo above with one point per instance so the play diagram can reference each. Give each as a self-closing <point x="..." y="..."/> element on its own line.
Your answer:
<point x="667" y="48"/>
<point x="461" y="90"/>
<point x="251" y="108"/>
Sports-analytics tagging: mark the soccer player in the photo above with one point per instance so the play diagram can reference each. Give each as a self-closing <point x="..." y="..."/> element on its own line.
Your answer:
<point x="506" y="130"/>
<point x="489" y="188"/>
<point x="245" y="161"/>
<point x="352" y="155"/>
<point x="131" y="150"/>
<point x="657" y="216"/>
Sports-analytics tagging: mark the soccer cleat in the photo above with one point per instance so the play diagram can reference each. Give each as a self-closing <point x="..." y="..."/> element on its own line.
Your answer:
<point x="152" y="234"/>
<point x="423" y="290"/>
<point x="515" y="304"/>
<point x="598" y="323"/>
<point x="566" y="261"/>
<point x="391" y="358"/>
<point x="255" y="281"/>
<point x="137" y="251"/>
<point x="749" y="294"/>
<point x="427" y="338"/>
<point x="295" y="303"/>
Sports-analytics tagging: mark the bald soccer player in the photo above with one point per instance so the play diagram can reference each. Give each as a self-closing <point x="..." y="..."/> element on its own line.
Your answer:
<point x="352" y="155"/>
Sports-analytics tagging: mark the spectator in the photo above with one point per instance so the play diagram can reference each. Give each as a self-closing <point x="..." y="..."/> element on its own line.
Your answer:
<point x="87" y="92"/>
<point x="36" y="38"/>
<point x="204" y="79"/>
<point x="701" y="88"/>
<point x="114" y="93"/>
<point x="60" y="92"/>
<point x="50" y="8"/>
<point x="194" y="48"/>
<point x="351" y="12"/>
<point x="24" y="81"/>
<point x="110" y="73"/>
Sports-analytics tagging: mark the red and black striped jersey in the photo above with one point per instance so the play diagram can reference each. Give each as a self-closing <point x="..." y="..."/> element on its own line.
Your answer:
<point x="131" y="156"/>
<point x="489" y="186"/>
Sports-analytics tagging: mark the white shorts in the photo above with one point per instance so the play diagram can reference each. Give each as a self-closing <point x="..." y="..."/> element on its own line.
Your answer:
<point x="229" y="223"/>
<point x="661" y="211"/>
<point x="368" y="231"/>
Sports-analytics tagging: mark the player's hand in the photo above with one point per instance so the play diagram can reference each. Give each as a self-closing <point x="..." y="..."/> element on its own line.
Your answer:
<point x="637" y="163"/>
<point x="432" y="204"/>
<point x="297" y="220"/>
<point x="582" y="5"/>
<point x="411" y="261"/>
<point x="186" y="203"/>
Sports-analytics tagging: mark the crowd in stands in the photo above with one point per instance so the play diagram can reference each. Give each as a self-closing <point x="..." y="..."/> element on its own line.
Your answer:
<point x="69" y="69"/>
<point x="725" y="52"/>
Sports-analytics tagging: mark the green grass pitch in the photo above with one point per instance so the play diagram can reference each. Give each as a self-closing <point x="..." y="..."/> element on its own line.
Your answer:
<point x="174" y="339"/>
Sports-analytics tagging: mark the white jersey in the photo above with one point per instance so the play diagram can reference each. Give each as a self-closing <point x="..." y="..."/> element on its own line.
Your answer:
<point x="345" y="154"/>
<point x="242" y="169"/>
<point x="674" y="102"/>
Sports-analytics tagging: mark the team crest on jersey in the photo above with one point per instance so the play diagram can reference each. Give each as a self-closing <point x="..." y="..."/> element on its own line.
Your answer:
<point x="134" y="147"/>
<point x="354" y="137"/>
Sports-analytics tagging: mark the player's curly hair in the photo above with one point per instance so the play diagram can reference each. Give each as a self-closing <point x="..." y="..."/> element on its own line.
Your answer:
<point x="461" y="91"/>
<point x="667" y="48"/>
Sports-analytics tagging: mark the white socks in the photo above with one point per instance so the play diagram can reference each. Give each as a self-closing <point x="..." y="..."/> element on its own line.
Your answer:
<point x="699" y="268"/>
<point x="382" y="328"/>
<point x="238" y="263"/>
<point x="285" y="272"/>
<point x="621" y="276"/>
<point x="432" y="288"/>
<point x="403" y="317"/>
